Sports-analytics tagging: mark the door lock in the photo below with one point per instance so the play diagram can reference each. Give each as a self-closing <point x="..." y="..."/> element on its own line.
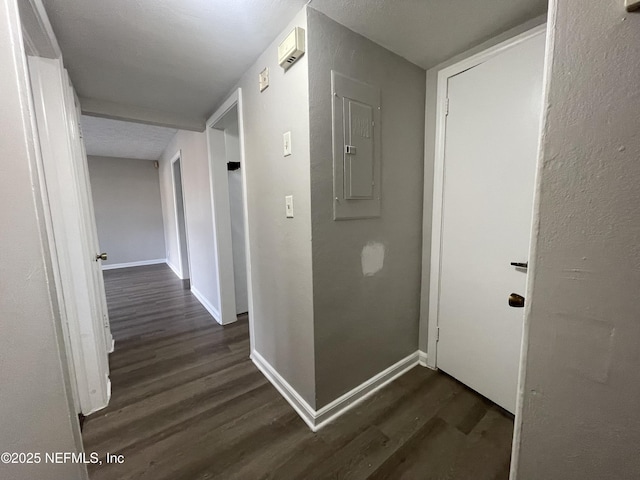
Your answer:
<point x="516" y="300"/>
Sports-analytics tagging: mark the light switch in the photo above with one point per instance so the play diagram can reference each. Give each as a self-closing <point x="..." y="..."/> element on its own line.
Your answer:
<point x="288" y="202"/>
<point x="286" y="143"/>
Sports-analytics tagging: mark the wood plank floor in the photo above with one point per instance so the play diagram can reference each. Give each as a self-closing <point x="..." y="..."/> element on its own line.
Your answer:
<point x="189" y="404"/>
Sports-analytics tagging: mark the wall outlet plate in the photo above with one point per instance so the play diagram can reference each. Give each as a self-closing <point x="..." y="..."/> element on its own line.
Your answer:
<point x="263" y="79"/>
<point x="632" y="5"/>
<point x="286" y="144"/>
<point x="288" y="204"/>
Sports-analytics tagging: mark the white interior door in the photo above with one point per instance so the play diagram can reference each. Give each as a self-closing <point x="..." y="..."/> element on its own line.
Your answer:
<point x="490" y="152"/>
<point x="88" y="211"/>
<point x="66" y="181"/>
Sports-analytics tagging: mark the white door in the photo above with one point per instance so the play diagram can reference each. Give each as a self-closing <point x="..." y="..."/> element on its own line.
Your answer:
<point x="65" y="178"/>
<point x="88" y="212"/>
<point x="490" y="152"/>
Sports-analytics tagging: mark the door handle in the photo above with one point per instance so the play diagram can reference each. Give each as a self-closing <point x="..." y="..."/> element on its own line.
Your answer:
<point x="516" y="300"/>
<point x="520" y="264"/>
<point x="101" y="256"/>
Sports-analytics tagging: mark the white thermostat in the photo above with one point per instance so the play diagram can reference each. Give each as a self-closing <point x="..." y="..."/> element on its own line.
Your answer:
<point x="291" y="48"/>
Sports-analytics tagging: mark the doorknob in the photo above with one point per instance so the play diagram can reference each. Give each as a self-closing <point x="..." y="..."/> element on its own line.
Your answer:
<point x="101" y="256"/>
<point x="520" y="264"/>
<point x="516" y="300"/>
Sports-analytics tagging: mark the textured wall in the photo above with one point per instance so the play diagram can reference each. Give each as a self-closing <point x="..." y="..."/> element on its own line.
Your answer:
<point x="366" y="273"/>
<point x="580" y="415"/>
<point x="280" y="247"/>
<point x="126" y="198"/>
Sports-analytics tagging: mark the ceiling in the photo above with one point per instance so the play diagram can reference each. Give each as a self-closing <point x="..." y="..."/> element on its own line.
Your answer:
<point x="104" y="137"/>
<point x="181" y="57"/>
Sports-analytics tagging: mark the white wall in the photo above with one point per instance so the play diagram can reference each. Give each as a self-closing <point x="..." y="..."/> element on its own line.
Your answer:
<point x="580" y="415"/>
<point x="126" y="198"/>
<point x="36" y="410"/>
<point x="197" y="202"/>
<point x="365" y="323"/>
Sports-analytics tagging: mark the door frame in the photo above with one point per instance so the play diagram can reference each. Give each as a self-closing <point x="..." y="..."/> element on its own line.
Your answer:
<point x="431" y="277"/>
<point x="222" y="218"/>
<point x="178" y="157"/>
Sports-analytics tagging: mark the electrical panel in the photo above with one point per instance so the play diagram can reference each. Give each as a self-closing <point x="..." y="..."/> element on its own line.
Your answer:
<point x="356" y="148"/>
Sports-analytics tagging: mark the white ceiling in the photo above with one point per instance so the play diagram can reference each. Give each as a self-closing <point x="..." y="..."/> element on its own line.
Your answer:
<point x="104" y="137"/>
<point x="181" y="57"/>
<point x="428" y="32"/>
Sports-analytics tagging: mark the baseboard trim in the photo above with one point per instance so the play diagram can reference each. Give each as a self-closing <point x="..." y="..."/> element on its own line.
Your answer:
<point x="175" y="269"/>
<point x="141" y="263"/>
<point x="299" y="404"/>
<point x="206" y="304"/>
<point x="422" y="358"/>
<point x="342" y="404"/>
<point x="316" y="419"/>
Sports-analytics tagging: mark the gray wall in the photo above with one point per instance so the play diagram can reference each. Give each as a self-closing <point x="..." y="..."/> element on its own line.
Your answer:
<point x="197" y="204"/>
<point x="36" y="411"/>
<point x="126" y="198"/>
<point x="280" y="247"/>
<point x="580" y="416"/>
<point x="364" y="324"/>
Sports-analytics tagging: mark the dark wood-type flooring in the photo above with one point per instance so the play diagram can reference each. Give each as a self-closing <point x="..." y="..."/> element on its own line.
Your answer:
<point x="189" y="404"/>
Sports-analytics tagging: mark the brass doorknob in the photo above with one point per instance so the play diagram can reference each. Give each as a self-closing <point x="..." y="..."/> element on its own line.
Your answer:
<point x="101" y="256"/>
<point x="516" y="300"/>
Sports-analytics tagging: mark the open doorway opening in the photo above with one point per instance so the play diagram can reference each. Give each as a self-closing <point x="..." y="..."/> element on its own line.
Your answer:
<point x="181" y="224"/>
<point x="229" y="126"/>
<point x="228" y="185"/>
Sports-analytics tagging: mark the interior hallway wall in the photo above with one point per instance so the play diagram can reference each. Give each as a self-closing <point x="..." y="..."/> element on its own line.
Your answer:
<point x="199" y="217"/>
<point x="365" y="323"/>
<point x="280" y="247"/>
<point x="126" y="198"/>
<point x="580" y="415"/>
<point x="36" y="409"/>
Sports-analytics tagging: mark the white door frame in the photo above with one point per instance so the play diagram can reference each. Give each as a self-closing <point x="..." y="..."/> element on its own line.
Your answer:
<point x="431" y="279"/>
<point x="174" y="159"/>
<point x="222" y="217"/>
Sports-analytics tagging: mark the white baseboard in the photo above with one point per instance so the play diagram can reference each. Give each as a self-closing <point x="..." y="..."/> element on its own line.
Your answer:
<point x="206" y="304"/>
<point x="141" y="263"/>
<point x="299" y="404"/>
<point x="422" y="358"/>
<point x="175" y="269"/>
<point x="316" y="419"/>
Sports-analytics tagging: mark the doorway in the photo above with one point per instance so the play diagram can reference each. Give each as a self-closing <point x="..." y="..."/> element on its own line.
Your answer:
<point x="181" y="224"/>
<point x="229" y="203"/>
<point x="487" y="149"/>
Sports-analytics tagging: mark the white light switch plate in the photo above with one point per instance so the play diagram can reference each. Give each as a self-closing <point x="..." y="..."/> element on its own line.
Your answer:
<point x="286" y="143"/>
<point x="632" y="5"/>
<point x="288" y="202"/>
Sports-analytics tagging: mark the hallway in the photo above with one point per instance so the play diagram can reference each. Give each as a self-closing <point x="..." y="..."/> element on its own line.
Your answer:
<point x="188" y="403"/>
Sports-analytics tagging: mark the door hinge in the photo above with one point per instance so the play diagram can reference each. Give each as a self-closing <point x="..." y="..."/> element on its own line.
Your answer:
<point x="437" y="334"/>
<point x="446" y="106"/>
